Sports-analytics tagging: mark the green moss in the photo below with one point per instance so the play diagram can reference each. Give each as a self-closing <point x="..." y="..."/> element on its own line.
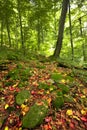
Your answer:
<point x="64" y="88"/>
<point x="68" y="98"/>
<point x="22" y="96"/>
<point x="35" y="115"/>
<point x="56" y="77"/>
<point x="58" y="100"/>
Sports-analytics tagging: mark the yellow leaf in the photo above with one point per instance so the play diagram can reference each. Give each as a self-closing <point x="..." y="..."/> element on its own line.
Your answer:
<point x="49" y="100"/>
<point x="83" y="112"/>
<point x="15" y="85"/>
<point x="83" y="96"/>
<point x="47" y="92"/>
<point x="75" y="117"/>
<point x="65" y="74"/>
<point x="6" y="128"/>
<point x="69" y="112"/>
<point x="63" y="81"/>
<point x="81" y="85"/>
<point x="23" y="106"/>
<point x="23" y="113"/>
<point x="6" y="106"/>
<point x="51" y="89"/>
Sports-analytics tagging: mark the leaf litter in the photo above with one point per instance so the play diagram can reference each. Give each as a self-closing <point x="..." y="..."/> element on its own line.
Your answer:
<point x="72" y="115"/>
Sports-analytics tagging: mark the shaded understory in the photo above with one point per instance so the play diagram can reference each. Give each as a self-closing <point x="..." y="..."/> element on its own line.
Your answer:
<point x="55" y="98"/>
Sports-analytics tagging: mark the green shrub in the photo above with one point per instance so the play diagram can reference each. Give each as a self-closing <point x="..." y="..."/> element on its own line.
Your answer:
<point x="12" y="56"/>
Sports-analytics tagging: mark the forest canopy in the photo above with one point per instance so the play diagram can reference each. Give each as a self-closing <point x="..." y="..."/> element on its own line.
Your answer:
<point x="33" y="25"/>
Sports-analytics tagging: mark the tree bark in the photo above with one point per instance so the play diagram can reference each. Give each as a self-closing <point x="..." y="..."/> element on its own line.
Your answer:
<point x="8" y="31"/>
<point x="61" y="28"/>
<point x="1" y="33"/>
<point x="71" y="40"/>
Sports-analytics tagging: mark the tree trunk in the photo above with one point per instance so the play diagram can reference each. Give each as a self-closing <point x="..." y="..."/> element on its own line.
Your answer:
<point x="61" y="28"/>
<point x="83" y="44"/>
<point x="8" y="31"/>
<point x="1" y="33"/>
<point x="71" y="40"/>
<point x="38" y="29"/>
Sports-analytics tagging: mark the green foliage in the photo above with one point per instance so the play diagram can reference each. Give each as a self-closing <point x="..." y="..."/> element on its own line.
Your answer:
<point x="35" y="115"/>
<point x="14" y="75"/>
<point x="64" y="88"/>
<point x="22" y="96"/>
<point x="12" y="56"/>
<point x="56" y="77"/>
<point x="25" y="74"/>
<point x="68" y="98"/>
<point x="41" y="67"/>
<point x="46" y="87"/>
<point x="23" y="84"/>
<point x="58" y="100"/>
<point x="19" y="74"/>
<point x="9" y="83"/>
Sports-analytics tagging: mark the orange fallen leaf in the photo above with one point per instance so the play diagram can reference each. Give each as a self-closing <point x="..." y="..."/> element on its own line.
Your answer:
<point x="49" y="100"/>
<point x="83" y="112"/>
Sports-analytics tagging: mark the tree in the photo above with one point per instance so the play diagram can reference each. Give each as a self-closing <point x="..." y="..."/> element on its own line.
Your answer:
<point x="61" y="28"/>
<point x="71" y="40"/>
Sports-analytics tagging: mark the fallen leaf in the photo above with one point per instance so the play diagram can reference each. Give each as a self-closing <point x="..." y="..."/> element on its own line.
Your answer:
<point x="63" y="81"/>
<point x="75" y="117"/>
<point x="6" y="106"/>
<point x="83" y="112"/>
<point x="72" y="126"/>
<point x="69" y="112"/>
<point x="84" y="119"/>
<point x="6" y="128"/>
<point x="47" y="127"/>
<point x="49" y="100"/>
<point x="83" y="96"/>
<point x="48" y="119"/>
<point x="24" y="108"/>
<point x="15" y="85"/>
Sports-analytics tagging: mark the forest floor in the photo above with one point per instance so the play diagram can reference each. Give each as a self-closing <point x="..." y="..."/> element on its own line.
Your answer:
<point x="43" y="80"/>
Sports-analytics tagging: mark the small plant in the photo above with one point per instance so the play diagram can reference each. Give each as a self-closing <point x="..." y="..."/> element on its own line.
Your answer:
<point x="12" y="56"/>
<point x="56" y="77"/>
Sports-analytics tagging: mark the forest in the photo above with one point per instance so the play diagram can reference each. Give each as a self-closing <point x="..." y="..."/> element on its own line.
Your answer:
<point x="43" y="65"/>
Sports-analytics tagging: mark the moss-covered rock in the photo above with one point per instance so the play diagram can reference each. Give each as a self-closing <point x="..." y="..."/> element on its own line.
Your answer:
<point x="56" y="77"/>
<point x="64" y="88"/>
<point x="22" y="96"/>
<point x="35" y="115"/>
<point x="68" y="98"/>
<point x="58" y="100"/>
